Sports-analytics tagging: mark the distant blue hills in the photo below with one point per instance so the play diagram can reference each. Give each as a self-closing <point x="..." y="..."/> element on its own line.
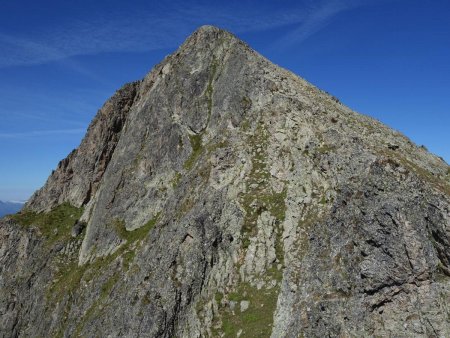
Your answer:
<point x="10" y="207"/>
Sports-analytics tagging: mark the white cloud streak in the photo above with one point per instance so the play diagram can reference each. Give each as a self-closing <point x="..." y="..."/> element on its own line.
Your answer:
<point x="165" y="27"/>
<point x="320" y="15"/>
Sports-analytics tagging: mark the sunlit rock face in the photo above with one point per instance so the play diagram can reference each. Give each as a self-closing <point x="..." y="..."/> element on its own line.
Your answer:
<point x="225" y="196"/>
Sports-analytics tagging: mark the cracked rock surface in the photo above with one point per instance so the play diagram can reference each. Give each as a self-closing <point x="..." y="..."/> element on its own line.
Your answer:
<point x="223" y="196"/>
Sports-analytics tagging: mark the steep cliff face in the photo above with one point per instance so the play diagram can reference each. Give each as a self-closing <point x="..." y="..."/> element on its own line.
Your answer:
<point x="77" y="177"/>
<point x="225" y="196"/>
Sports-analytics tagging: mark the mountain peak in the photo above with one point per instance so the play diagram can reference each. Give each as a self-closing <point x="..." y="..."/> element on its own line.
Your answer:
<point x="209" y="38"/>
<point x="225" y="196"/>
<point x="208" y="29"/>
<point x="210" y="32"/>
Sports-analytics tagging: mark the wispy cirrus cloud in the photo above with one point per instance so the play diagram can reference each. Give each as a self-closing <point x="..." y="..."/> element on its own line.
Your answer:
<point x="164" y="26"/>
<point x="320" y="15"/>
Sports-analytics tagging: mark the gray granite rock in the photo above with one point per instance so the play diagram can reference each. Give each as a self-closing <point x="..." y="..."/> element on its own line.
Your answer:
<point x="226" y="196"/>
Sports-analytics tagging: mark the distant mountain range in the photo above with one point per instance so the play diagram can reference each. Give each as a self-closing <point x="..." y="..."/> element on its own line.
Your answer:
<point x="10" y="207"/>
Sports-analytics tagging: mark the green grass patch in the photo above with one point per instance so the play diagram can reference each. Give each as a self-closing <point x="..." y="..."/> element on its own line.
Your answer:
<point x="108" y="286"/>
<point x="131" y="236"/>
<point x="176" y="179"/>
<point x="245" y="125"/>
<point x="137" y="234"/>
<point x="55" y="225"/>
<point x="146" y="299"/>
<point x="196" y="139"/>
<point x="257" y="320"/>
<point x="246" y="103"/>
<point x="197" y="148"/>
<point x="219" y="145"/>
<point x="186" y="205"/>
<point x="70" y="274"/>
<point x="94" y="309"/>
<point x="326" y="148"/>
<point x="259" y="195"/>
<point x="67" y="281"/>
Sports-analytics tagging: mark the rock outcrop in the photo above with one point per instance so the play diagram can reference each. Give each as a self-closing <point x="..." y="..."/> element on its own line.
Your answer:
<point x="224" y="196"/>
<point x="77" y="177"/>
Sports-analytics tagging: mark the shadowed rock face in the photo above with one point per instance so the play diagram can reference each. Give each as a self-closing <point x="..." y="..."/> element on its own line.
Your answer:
<point x="225" y="196"/>
<point x="77" y="177"/>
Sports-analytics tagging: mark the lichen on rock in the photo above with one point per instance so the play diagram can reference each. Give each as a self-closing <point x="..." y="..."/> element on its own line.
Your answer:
<point x="224" y="196"/>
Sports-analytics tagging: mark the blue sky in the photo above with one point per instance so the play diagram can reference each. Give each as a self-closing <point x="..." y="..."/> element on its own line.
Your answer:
<point x="61" y="60"/>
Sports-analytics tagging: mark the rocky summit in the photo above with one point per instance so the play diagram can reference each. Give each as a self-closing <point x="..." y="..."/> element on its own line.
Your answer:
<point x="223" y="196"/>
